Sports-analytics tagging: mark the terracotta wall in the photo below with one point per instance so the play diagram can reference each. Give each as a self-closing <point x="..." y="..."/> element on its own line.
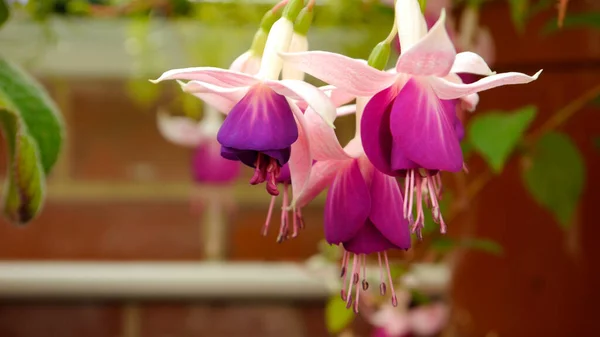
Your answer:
<point x="544" y="285"/>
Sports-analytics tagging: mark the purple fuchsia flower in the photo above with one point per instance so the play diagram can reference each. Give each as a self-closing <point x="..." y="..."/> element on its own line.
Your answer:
<point x="207" y="164"/>
<point x="409" y="125"/>
<point x="302" y="162"/>
<point x="362" y="210"/>
<point x="262" y="127"/>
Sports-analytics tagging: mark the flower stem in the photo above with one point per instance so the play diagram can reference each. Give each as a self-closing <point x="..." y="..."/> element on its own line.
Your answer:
<point x="564" y="114"/>
<point x="392" y="34"/>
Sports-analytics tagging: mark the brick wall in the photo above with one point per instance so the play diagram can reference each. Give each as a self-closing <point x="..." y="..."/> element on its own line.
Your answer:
<point x="121" y="192"/>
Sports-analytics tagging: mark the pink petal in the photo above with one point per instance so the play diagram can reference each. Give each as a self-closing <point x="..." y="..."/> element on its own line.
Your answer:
<point x="301" y="158"/>
<point x="386" y="214"/>
<point x="246" y="63"/>
<point x="430" y="319"/>
<point x="468" y="62"/>
<point x="433" y="55"/>
<point x="321" y="176"/>
<point x="301" y="90"/>
<point x="216" y="76"/>
<point x="350" y="75"/>
<point x="446" y="89"/>
<point x="423" y="128"/>
<point x="180" y="130"/>
<point x="348" y="204"/>
<point x="470" y="102"/>
<point x="223" y="99"/>
<point x="338" y="96"/>
<point x="323" y="141"/>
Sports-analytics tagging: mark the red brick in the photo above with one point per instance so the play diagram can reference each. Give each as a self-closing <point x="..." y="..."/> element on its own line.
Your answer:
<point x="221" y="319"/>
<point x="106" y="231"/>
<point x="113" y="138"/>
<point x="247" y="243"/>
<point x="64" y="320"/>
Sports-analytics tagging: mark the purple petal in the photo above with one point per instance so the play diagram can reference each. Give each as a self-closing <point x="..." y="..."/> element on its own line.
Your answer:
<point x="368" y="240"/>
<point x="422" y="126"/>
<point x="387" y="211"/>
<point x="284" y="175"/>
<point x="459" y="129"/>
<point x="248" y="157"/>
<point x="348" y="204"/>
<point x="375" y="129"/>
<point x="209" y="167"/>
<point x="261" y="121"/>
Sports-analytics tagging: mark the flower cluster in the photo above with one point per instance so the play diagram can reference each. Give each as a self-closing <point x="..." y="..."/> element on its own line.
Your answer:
<point x="406" y="126"/>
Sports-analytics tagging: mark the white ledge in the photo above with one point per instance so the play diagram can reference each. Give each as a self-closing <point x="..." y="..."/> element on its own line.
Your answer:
<point x="158" y="280"/>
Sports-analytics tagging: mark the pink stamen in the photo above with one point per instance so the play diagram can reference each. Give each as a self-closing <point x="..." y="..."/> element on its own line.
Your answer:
<point x="344" y="274"/>
<point x="411" y="193"/>
<point x="269" y="214"/>
<point x="387" y="266"/>
<point x="266" y="169"/>
<point x="406" y="189"/>
<point x="352" y="282"/>
<point x="283" y="227"/>
<point x="365" y="283"/>
<point x="382" y="288"/>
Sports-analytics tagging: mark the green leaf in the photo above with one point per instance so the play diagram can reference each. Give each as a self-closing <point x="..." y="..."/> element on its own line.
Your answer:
<point x="419" y="298"/>
<point x="337" y="317"/>
<point x="495" y="134"/>
<point x="442" y="244"/>
<point x="574" y="20"/>
<point x="4" y="13"/>
<point x="485" y="245"/>
<point x="445" y="244"/>
<point x="34" y="136"/>
<point x="519" y="12"/>
<point x="556" y="176"/>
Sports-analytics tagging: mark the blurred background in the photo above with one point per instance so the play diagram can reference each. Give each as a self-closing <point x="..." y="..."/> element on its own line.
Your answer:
<point x="129" y="244"/>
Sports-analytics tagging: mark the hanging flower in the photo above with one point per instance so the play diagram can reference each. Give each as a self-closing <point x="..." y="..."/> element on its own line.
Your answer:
<point x="404" y="321"/>
<point x="361" y="211"/>
<point x="262" y="126"/>
<point x="409" y="125"/>
<point x="207" y="164"/>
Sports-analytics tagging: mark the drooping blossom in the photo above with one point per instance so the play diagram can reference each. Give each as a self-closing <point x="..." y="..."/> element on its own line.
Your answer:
<point x="261" y="128"/>
<point x="362" y="211"/>
<point x="207" y="164"/>
<point x="409" y="124"/>
<point x="404" y="320"/>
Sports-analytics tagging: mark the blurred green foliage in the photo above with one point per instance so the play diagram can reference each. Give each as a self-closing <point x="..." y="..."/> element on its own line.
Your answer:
<point x="495" y="134"/>
<point x="554" y="174"/>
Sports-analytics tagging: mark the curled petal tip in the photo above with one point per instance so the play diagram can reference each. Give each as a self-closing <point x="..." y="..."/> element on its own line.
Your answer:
<point x="154" y="81"/>
<point x="536" y="75"/>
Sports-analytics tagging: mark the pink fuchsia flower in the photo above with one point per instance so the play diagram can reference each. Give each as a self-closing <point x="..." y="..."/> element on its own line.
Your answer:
<point x="361" y="211"/>
<point x="207" y="164"/>
<point x="409" y="124"/>
<point x="262" y="126"/>
<point x="401" y="321"/>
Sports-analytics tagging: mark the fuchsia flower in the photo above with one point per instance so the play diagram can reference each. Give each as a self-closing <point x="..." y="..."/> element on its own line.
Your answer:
<point x="402" y="321"/>
<point x="207" y="164"/>
<point x="262" y="126"/>
<point x="409" y="127"/>
<point x="361" y="211"/>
